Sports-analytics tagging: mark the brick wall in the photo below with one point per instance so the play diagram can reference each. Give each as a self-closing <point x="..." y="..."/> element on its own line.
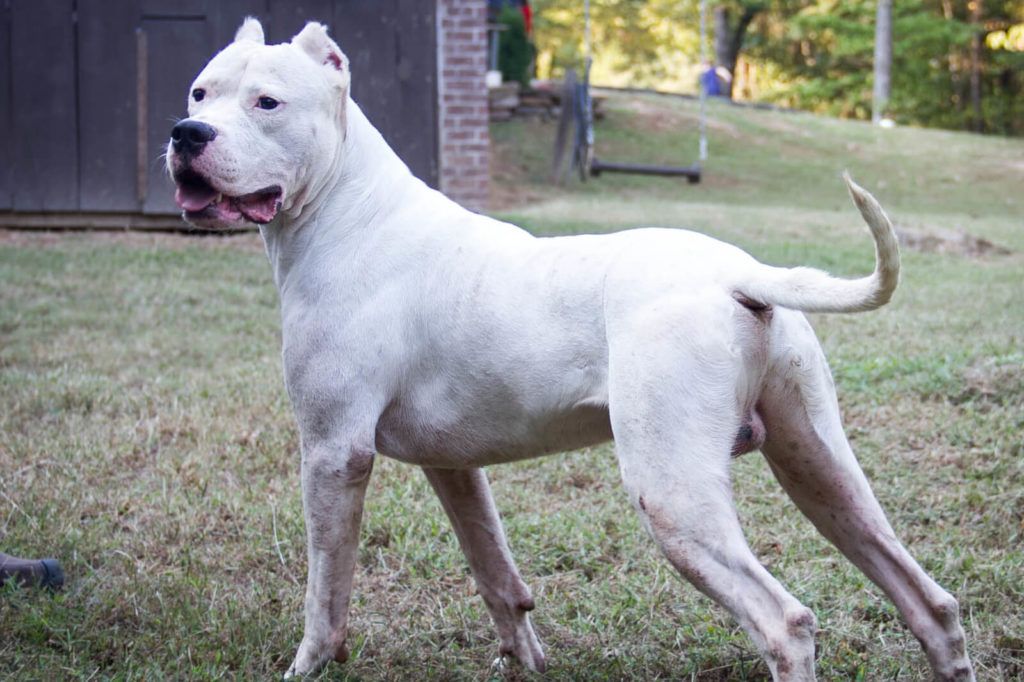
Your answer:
<point x="462" y="101"/>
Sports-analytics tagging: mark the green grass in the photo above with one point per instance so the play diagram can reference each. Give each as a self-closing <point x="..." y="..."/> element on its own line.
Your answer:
<point x="146" y="440"/>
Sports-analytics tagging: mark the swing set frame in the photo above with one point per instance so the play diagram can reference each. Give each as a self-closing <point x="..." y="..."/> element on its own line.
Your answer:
<point x="578" y="114"/>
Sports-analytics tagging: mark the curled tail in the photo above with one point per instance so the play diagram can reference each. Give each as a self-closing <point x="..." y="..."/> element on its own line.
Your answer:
<point x="812" y="290"/>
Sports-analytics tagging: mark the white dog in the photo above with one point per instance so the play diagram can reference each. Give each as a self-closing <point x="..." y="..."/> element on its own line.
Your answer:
<point x="452" y="341"/>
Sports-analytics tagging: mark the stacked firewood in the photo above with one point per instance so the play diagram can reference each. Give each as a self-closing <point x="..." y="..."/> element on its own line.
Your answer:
<point x="543" y="101"/>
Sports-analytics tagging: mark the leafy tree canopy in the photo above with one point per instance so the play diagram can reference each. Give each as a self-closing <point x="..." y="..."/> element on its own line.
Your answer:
<point x="812" y="54"/>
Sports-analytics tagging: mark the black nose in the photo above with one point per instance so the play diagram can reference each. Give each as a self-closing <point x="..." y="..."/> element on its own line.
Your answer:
<point x="189" y="137"/>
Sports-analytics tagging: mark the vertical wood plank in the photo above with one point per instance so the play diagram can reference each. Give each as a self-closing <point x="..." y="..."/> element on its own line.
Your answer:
<point x="288" y="17"/>
<point x="229" y="16"/>
<point x="6" y="167"/>
<point x="44" y="147"/>
<point x="177" y="50"/>
<point x="362" y="28"/>
<point x="391" y="45"/>
<point x="141" y="115"/>
<point x="107" y="101"/>
<point x="416" y="69"/>
<point x="364" y="31"/>
<point x="176" y="9"/>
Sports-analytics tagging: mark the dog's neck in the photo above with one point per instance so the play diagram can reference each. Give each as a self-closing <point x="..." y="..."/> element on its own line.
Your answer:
<point x="356" y="195"/>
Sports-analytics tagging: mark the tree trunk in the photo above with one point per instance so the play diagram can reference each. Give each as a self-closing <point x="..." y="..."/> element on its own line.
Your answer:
<point x="953" y="59"/>
<point x="883" y="61"/>
<point x="722" y="36"/>
<point x="729" y="39"/>
<point x="977" y="119"/>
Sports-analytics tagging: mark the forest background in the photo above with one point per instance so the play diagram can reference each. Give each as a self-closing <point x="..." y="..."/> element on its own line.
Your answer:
<point x="956" y="64"/>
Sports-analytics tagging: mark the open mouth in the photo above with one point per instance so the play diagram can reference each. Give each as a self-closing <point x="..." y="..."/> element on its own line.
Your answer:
<point x="201" y="201"/>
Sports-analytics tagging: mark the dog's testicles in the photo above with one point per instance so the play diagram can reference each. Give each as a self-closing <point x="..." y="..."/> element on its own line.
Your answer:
<point x="750" y="436"/>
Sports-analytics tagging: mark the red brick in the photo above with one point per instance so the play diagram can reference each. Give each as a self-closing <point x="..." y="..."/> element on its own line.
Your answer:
<point x="464" y="137"/>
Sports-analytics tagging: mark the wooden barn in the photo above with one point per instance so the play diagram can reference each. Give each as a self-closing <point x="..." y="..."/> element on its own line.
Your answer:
<point x="89" y="91"/>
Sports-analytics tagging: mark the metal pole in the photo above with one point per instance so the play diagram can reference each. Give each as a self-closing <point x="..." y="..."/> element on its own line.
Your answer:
<point x="703" y="94"/>
<point x="587" y="102"/>
<point x="586" y="33"/>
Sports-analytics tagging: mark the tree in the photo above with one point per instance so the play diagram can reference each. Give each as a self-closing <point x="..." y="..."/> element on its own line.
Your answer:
<point x="729" y="37"/>
<point x="954" y="63"/>
<point x="515" y="51"/>
<point x="635" y="42"/>
<point x="883" y="60"/>
<point x="977" y="42"/>
<point x="944" y="71"/>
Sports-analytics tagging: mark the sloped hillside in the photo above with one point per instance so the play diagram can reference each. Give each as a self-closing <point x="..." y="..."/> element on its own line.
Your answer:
<point x="762" y="159"/>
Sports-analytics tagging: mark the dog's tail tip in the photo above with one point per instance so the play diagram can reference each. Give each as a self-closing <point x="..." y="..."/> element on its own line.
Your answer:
<point x="811" y="290"/>
<point x="886" y="275"/>
<point x="861" y="197"/>
<point x="856" y="191"/>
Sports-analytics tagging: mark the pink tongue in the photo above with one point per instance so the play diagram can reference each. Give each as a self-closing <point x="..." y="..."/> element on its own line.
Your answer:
<point x="259" y="208"/>
<point x="194" y="198"/>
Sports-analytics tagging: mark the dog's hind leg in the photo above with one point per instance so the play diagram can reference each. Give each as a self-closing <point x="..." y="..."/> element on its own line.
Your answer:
<point x="675" y="414"/>
<point x="466" y="497"/>
<point x="812" y="459"/>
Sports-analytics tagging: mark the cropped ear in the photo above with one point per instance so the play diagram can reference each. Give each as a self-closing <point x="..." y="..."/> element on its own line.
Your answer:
<point x="251" y="29"/>
<point x="314" y="41"/>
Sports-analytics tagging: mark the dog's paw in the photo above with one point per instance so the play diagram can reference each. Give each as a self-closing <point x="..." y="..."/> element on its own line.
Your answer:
<point x="500" y="665"/>
<point x="524" y="647"/>
<point x="311" y="658"/>
<point x="505" y="664"/>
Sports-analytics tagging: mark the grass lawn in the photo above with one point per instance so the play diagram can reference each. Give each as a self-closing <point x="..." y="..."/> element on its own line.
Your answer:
<point x="146" y="439"/>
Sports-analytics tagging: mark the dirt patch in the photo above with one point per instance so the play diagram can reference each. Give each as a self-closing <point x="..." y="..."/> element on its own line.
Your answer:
<point x="779" y="124"/>
<point x="1015" y="165"/>
<point x="655" y="118"/>
<point x="659" y="118"/>
<point x="993" y="381"/>
<point x="954" y="242"/>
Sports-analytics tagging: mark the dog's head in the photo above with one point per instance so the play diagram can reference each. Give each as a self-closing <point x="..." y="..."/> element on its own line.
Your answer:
<point x="264" y="121"/>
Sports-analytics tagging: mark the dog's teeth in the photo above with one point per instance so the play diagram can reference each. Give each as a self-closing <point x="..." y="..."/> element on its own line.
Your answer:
<point x="220" y="196"/>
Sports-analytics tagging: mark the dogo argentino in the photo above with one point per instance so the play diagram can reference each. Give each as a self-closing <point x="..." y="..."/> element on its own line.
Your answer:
<point x="446" y="339"/>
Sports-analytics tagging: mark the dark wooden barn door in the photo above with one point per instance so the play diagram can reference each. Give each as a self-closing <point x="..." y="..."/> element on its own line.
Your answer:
<point x="96" y="86"/>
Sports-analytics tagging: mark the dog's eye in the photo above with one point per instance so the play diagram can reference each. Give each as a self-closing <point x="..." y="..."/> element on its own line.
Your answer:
<point x="267" y="103"/>
<point x="198" y="94"/>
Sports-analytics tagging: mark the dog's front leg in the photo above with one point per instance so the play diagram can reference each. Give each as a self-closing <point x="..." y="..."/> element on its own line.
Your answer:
<point x="334" y="478"/>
